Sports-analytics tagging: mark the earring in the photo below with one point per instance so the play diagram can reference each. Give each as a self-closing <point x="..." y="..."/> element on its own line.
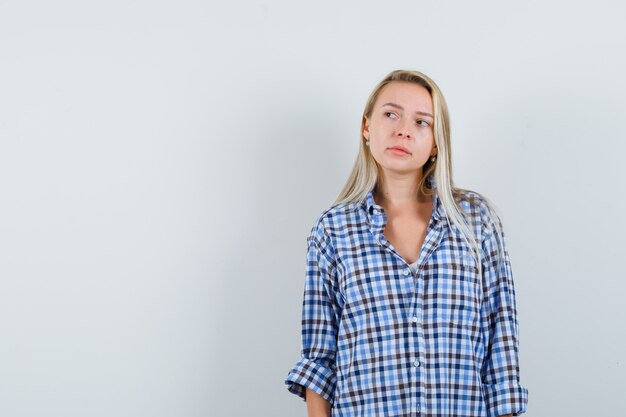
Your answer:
<point x="367" y="142"/>
<point x="432" y="159"/>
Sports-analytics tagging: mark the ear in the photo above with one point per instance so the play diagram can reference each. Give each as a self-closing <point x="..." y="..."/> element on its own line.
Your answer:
<point x="366" y="127"/>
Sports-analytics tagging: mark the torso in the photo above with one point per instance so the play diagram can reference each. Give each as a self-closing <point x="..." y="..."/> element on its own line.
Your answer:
<point x="406" y="229"/>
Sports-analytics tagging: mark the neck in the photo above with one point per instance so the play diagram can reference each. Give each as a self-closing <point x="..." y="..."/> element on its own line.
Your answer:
<point x="399" y="191"/>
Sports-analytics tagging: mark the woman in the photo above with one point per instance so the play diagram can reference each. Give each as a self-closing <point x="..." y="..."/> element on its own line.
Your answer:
<point x="409" y="304"/>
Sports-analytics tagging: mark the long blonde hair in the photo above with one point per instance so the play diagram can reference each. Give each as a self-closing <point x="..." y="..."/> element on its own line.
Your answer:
<point x="365" y="173"/>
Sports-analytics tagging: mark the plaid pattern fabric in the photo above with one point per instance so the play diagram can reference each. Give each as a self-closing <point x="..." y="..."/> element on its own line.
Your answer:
<point x="379" y="339"/>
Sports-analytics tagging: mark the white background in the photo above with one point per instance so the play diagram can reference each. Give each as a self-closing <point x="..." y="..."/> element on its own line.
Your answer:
<point x="162" y="162"/>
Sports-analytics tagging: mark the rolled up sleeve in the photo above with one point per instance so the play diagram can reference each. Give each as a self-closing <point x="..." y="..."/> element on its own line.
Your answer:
<point x="500" y="371"/>
<point x="316" y="368"/>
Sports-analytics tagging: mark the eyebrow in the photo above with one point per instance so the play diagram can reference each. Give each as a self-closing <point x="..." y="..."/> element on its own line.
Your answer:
<point x="401" y="108"/>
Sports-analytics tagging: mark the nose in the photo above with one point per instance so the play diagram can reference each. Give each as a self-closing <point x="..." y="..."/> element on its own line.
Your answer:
<point x="403" y="130"/>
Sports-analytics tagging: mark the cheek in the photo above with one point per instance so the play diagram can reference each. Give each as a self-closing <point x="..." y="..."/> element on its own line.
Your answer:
<point x="425" y="138"/>
<point x="381" y="125"/>
<point x="423" y="131"/>
<point x="378" y="150"/>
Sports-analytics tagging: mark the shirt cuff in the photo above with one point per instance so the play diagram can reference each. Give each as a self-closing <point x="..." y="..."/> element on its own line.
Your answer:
<point x="313" y="375"/>
<point x="504" y="399"/>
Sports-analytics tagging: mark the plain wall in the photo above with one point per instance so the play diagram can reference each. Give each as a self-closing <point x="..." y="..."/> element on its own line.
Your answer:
<point x="161" y="163"/>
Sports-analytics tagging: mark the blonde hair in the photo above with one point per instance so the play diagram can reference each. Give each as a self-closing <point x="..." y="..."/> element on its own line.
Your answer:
<point x="366" y="171"/>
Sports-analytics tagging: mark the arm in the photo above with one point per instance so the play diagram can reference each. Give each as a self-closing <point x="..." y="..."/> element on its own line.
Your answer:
<point x="316" y="405"/>
<point x="316" y="370"/>
<point x="500" y="371"/>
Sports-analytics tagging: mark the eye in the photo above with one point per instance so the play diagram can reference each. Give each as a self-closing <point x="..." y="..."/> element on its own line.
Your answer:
<point x="422" y="123"/>
<point x="387" y="113"/>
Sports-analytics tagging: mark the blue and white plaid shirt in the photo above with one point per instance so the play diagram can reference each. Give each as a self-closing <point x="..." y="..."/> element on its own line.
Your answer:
<point x="382" y="339"/>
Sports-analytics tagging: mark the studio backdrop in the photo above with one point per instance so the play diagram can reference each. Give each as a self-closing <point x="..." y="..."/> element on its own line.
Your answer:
<point x="161" y="164"/>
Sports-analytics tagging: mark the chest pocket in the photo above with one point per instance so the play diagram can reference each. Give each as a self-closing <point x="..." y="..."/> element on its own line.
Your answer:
<point x="452" y="287"/>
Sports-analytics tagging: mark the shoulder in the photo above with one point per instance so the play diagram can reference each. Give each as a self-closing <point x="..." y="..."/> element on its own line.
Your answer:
<point x="333" y="221"/>
<point x="331" y="225"/>
<point x="479" y="209"/>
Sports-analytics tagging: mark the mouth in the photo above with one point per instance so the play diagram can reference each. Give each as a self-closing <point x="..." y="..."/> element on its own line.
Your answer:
<point x="399" y="150"/>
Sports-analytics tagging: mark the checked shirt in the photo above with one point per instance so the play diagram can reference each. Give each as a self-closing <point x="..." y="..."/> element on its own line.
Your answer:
<point x="380" y="338"/>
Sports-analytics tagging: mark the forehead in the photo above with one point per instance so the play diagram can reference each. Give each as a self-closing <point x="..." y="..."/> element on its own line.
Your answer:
<point x="409" y="95"/>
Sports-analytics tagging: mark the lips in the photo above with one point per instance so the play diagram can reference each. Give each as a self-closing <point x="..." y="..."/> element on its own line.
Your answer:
<point x="400" y="148"/>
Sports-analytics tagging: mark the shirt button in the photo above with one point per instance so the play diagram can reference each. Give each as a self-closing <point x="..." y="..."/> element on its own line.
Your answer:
<point x="417" y="363"/>
<point x="407" y="272"/>
<point x="414" y="319"/>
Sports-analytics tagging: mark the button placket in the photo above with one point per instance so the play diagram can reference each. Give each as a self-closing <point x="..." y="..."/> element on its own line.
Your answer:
<point x="418" y="388"/>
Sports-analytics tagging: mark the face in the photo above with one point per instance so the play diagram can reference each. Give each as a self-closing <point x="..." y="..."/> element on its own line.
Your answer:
<point x="402" y="118"/>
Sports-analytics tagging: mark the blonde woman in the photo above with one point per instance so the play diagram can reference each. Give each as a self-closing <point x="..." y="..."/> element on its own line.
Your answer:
<point x="409" y="304"/>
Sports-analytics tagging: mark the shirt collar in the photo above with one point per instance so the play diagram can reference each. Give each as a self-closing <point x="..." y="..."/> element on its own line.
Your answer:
<point x="373" y="209"/>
